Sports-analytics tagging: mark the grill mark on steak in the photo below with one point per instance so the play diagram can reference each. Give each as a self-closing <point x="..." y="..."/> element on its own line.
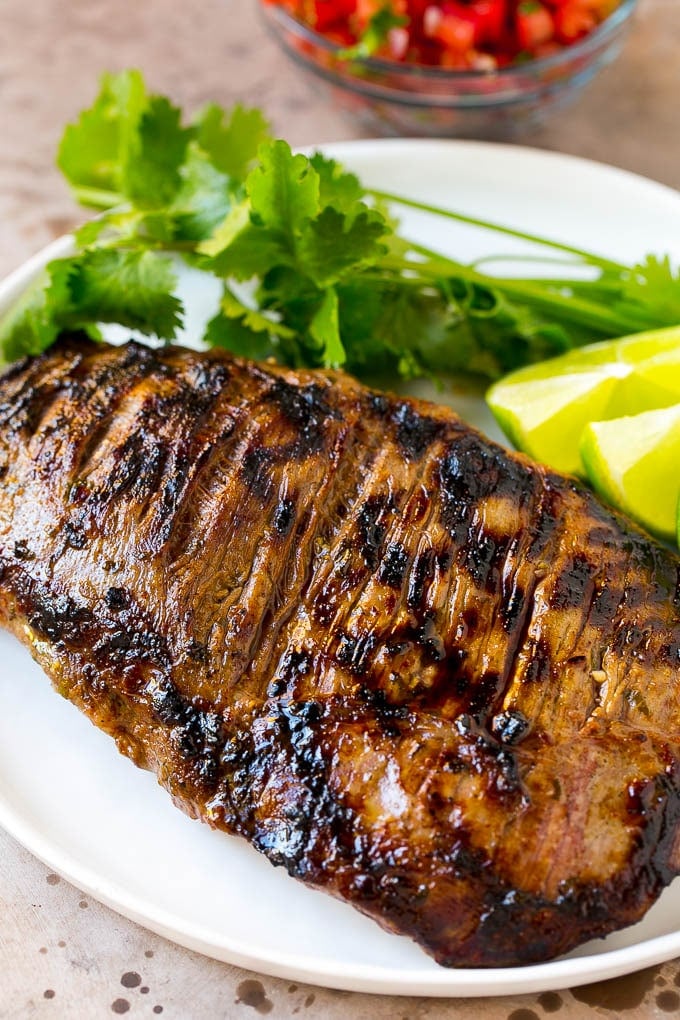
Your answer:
<point x="349" y="644"/>
<point x="310" y="548"/>
<point x="23" y="401"/>
<point x="344" y="567"/>
<point x="102" y="393"/>
<point x="127" y="639"/>
<point x="194" y="400"/>
<point x="415" y="432"/>
<point x="425" y="675"/>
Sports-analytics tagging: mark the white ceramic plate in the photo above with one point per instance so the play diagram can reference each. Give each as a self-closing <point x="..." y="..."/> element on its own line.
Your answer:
<point x="67" y="795"/>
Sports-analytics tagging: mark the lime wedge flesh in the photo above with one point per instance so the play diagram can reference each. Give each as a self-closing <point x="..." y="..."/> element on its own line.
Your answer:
<point x="544" y="417"/>
<point x="544" y="408"/>
<point x="632" y="462"/>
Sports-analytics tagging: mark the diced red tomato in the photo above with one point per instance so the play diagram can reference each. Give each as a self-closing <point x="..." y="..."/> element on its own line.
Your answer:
<point x="487" y="17"/>
<point x="491" y="17"/>
<point x="574" y="19"/>
<point x="453" y="31"/>
<point x="460" y="34"/>
<point x="534" y="23"/>
<point x="324" y="14"/>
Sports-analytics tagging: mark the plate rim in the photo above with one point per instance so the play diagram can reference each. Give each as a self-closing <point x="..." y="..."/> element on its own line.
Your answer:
<point x="554" y="975"/>
<point x="372" y="978"/>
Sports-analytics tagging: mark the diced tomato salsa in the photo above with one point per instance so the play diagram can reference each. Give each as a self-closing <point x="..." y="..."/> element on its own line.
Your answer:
<point x="455" y="34"/>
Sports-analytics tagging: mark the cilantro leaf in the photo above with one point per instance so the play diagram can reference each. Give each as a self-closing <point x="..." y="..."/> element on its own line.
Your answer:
<point x="231" y="141"/>
<point x="264" y="231"/>
<point x="325" y="330"/>
<point x="134" y="289"/>
<point x="226" y="232"/>
<point x="654" y="282"/>
<point x="337" y="187"/>
<point x="32" y="323"/>
<point x="244" y="330"/>
<point x="150" y="174"/>
<point x="242" y="250"/>
<point x="397" y="326"/>
<point x="126" y="145"/>
<point x="251" y="317"/>
<point x="283" y="189"/>
<point x="203" y="200"/>
<point x="334" y="244"/>
<point x="91" y="150"/>
<point x="393" y="325"/>
<point x="236" y="336"/>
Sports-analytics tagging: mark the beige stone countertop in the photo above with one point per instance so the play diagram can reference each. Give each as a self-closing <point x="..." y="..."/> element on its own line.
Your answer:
<point x="63" y="955"/>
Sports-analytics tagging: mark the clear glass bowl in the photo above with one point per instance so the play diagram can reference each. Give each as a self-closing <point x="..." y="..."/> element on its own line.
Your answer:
<point x="406" y="99"/>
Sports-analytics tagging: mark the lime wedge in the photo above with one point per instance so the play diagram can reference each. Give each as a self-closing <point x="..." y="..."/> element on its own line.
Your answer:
<point x="544" y="408"/>
<point x="632" y="462"/>
<point x="545" y="417"/>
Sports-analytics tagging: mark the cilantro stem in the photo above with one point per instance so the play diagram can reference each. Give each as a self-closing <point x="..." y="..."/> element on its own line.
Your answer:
<point x="575" y="286"/>
<point x="97" y="198"/>
<point x="570" y="307"/>
<point x="411" y="203"/>
<point x="541" y="259"/>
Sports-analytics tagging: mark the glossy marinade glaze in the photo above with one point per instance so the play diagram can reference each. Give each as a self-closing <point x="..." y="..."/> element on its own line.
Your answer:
<point x="423" y="674"/>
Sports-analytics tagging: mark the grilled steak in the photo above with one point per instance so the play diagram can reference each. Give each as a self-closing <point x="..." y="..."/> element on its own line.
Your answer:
<point x="430" y="677"/>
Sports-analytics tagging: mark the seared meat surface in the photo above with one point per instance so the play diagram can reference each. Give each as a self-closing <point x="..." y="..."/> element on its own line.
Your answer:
<point x="430" y="677"/>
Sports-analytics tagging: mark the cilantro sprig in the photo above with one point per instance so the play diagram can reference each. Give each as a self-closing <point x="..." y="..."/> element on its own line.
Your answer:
<point x="314" y="269"/>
